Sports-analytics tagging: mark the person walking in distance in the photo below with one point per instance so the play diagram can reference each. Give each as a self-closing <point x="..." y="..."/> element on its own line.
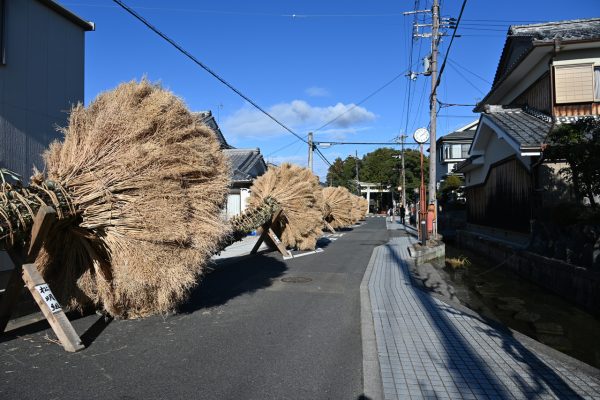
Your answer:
<point x="402" y="214"/>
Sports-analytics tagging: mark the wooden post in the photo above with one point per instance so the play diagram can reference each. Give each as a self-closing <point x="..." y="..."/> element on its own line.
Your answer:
<point x="38" y="288"/>
<point x="51" y="309"/>
<point x="271" y="238"/>
<point x="328" y="226"/>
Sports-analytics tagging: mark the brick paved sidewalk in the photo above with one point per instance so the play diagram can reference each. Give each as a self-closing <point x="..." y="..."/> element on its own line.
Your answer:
<point x="430" y="350"/>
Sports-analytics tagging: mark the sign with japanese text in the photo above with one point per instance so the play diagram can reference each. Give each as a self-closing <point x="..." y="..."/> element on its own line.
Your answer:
<point x="48" y="297"/>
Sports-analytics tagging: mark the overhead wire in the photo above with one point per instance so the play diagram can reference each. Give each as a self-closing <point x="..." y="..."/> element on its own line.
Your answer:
<point x="451" y="61"/>
<point x="361" y="102"/>
<point x="466" y="79"/>
<point x="204" y="66"/>
<point x="441" y="71"/>
<point x="410" y="65"/>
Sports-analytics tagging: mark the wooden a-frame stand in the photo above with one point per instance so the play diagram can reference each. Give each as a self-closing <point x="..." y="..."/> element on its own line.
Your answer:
<point x="328" y="226"/>
<point x="269" y="237"/>
<point x="26" y="271"/>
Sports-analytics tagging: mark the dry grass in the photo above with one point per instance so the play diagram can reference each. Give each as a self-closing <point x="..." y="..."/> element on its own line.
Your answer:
<point x="363" y="205"/>
<point x="337" y="207"/>
<point x="297" y="191"/>
<point x="458" y="262"/>
<point x="356" y="213"/>
<point x="148" y="181"/>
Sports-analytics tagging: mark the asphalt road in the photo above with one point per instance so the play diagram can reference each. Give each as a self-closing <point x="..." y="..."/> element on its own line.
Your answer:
<point x="246" y="333"/>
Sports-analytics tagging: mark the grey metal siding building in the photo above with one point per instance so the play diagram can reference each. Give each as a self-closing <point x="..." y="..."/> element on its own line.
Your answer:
<point x="41" y="77"/>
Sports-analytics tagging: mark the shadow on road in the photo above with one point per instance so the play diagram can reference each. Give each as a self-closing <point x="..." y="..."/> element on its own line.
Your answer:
<point x="468" y="368"/>
<point x="233" y="279"/>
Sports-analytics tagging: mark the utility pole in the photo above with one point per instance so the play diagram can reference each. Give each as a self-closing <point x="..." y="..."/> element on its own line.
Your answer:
<point x="431" y="69"/>
<point x="356" y="165"/>
<point x="310" y="151"/>
<point x="402" y="139"/>
<point x="435" y="16"/>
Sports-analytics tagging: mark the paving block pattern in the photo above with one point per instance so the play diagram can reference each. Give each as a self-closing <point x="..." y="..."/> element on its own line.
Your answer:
<point x="430" y="350"/>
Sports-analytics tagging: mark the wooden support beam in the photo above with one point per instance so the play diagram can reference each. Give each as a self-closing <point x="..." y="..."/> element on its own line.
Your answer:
<point x="51" y="309"/>
<point x="44" y="219"/>
<point x="269" y="237"/>
<point x="39" y="289"/>
<point x="328" y="226"/>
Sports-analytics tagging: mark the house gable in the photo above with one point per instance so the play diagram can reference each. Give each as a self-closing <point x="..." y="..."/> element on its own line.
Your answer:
<point x="528" y="53"/>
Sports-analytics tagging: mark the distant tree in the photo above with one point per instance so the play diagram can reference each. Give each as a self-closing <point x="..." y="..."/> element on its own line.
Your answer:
<point x="343" y="173"/>
<point x="578" y="144"/>
<point x="382" y="167"/>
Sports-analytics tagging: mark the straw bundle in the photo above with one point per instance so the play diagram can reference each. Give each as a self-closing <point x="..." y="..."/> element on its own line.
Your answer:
<point x="363" y="205"/>
<point x="356" y="209"/>
<point x="145" y="182"/>
<point x="298" y="193"/>
<point x="337" y="207"/>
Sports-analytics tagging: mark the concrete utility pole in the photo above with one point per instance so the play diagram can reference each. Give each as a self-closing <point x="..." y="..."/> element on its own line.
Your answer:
<point x="431" y="69"/>
<point x="356" y="165"/>
<point x="402" y="139"/>
<point x="310" y="151"/>
<point x="435" y="16"/>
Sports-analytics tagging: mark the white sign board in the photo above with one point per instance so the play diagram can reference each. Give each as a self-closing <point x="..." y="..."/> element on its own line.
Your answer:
<point x="48" y="297"/>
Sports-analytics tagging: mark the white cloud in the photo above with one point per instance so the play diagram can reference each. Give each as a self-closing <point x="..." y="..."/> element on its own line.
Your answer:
<point x="297" y="115"/>
<point x="315" y="91"/>
<point x="294" y="159"/>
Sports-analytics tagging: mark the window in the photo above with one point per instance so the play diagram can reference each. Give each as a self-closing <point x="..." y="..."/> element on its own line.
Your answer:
<point x="465" y="150"/>
<point x="456" y="151"/>
<point x="597" y="83"/>
<point x="574" y="83"/>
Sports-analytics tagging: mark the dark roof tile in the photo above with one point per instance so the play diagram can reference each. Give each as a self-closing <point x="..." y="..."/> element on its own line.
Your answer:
<point x="524" y="128"/>
<point x="243" y="162"/>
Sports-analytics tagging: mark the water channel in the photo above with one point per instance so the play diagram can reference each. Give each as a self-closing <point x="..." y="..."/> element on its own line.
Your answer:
<point x="498" y="293"/>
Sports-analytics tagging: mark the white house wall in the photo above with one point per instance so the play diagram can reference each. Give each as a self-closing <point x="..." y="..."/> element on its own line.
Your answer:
<point x="495" y="150"/>
<point x="585" y="56"/>
<point x="42" y="78"/>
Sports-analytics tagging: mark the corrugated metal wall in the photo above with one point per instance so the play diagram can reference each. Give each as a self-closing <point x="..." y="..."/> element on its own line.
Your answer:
<point x="503" y="200"/>
<point x="42" y="78"/>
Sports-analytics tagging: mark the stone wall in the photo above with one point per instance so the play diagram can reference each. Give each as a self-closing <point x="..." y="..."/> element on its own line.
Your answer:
<point x="577" y="284"/>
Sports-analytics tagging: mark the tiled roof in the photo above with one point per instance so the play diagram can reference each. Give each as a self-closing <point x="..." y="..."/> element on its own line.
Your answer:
<point x="460" y="135"/>
<point x="466" y="163"/>
<point x="520" y="41"/>
<point x="208" y="119"/>
<point x="242" y="162"/>
<point x="524" y="128"/>
<point x="578" y="29"/>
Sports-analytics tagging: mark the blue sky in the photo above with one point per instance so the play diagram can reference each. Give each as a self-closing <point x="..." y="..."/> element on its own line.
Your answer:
<point x="307" y="62"/>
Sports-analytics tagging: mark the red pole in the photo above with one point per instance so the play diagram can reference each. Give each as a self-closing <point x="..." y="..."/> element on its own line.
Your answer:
<point x="422" y="205"/>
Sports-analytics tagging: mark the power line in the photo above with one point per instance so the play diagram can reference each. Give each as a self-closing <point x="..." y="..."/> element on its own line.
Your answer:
<point x="468" y="70"/>
<point x="361" y="102"/>
<point x="323" y="156"/>
<point x="442" y="104"/>
<point x="203" y="66"/>
<point x="410" y="64"/>
<point x="282" y="148"/>
<point x="462" y="9"/>
<point x="366" y="143"/>
<point x="465" y="78"/>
